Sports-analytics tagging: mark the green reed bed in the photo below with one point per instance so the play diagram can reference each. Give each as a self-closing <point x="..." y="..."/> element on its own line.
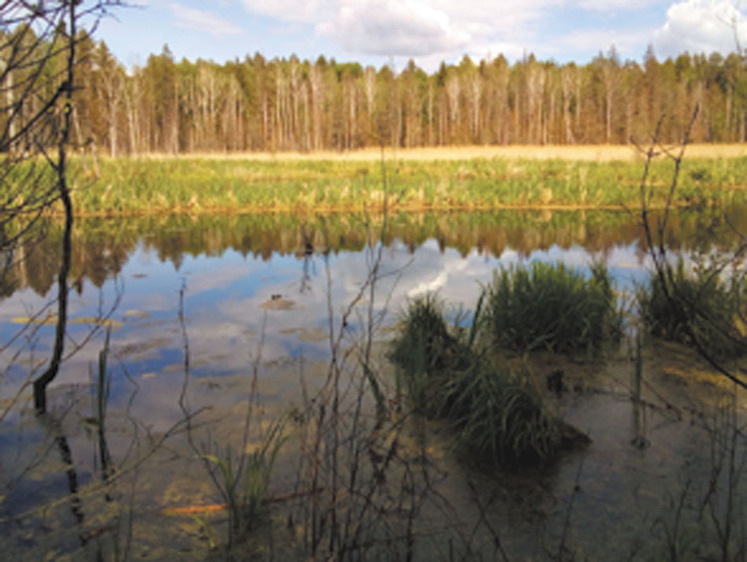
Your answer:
<point x="147" y="185"/>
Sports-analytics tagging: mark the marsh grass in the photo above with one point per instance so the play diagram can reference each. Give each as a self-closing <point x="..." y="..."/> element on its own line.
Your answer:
<point x="242" y="478"/>
<point x="426" y="354"/>
<point x="445" y="372"/>
<point x="552" y="307"/>
<point x="681" y="306"/>
<point x="461" y="375"/>
<point x="209" y="184"/>
<point x="497" y="418"/>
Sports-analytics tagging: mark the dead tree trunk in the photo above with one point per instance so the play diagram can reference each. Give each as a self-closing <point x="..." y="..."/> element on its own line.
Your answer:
<point x="41" y="383"/>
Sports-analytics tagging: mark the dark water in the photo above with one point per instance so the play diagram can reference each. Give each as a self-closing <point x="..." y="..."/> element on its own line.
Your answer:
<point x="195" y="306"/>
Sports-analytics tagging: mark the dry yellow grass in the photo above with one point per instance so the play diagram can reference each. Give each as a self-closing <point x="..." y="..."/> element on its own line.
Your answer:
<point x="589" y="153"/>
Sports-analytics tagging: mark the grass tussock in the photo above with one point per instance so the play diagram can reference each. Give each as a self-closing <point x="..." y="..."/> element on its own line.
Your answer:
<point x="447" y="373"/>
<point x="460" y="375"/>
<point x="427" y="355"/>
<point x="696" y="308"/>
<point x="498" y="418"/>
<point x="552" y="307"/>
<point x="242" y="479"/>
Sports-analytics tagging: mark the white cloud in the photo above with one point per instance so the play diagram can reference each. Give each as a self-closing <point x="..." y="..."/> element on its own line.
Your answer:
<point x="412" y="27"/>
<point x="397" y="27"/>
<point x="434" y="30"/>
<point x="700" y="26"/>
<point x="200" y="20"/>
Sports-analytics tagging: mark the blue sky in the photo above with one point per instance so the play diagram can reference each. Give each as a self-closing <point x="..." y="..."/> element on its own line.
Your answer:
<point x="379" y="32"/>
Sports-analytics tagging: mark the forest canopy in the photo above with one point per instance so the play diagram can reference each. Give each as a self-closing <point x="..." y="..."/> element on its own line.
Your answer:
<point x="255" y="104"/>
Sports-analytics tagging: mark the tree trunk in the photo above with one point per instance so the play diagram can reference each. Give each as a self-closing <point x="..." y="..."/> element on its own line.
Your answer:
<point x="41" y="383"/>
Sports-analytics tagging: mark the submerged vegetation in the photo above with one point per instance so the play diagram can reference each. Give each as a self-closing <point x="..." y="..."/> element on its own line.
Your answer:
<point x="197" y="185"/>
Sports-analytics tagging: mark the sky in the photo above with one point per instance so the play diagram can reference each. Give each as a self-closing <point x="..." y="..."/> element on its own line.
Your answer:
<point x="379" y="32"/>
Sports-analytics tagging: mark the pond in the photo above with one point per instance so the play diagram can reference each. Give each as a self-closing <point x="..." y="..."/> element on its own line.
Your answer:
<point x="207" y="314"/>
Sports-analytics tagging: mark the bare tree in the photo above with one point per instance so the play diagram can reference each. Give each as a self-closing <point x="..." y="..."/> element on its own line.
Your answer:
<point x="38" y="59"/>
<point x="686" y="309"/>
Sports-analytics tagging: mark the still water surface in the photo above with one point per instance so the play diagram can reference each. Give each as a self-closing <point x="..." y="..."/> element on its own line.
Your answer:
<point x="232" y="293"/>
<point x="280" y="277"/>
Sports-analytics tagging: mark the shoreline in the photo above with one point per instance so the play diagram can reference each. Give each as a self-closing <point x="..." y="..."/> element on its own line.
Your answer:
<point x="417" y="180"/>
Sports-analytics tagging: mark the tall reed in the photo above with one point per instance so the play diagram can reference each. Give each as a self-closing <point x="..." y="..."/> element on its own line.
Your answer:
<point x="193" y="185"/>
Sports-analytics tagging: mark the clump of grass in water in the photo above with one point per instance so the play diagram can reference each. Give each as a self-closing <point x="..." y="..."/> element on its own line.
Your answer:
<point x="242" y="479"/>
<point x="494" y="415"/>
<point x="425" y="352"/>
<point x="699" y="305"/>
<point x="552" y="307"/>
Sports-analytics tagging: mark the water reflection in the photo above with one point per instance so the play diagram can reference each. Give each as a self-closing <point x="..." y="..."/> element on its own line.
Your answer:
<point x="102" y="247"/>
<point x="238" y="270"/>
<point x="273" y="280"/>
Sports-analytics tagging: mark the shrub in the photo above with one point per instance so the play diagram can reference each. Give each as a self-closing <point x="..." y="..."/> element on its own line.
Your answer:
<point x="549" y="306"/>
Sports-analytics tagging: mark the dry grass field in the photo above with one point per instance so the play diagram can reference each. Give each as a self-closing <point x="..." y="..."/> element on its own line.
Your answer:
<point x="585" y="153"/>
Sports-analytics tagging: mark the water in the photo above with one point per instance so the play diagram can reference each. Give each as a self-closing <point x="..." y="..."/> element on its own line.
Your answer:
<point x="230" y="270"/>
<point x="196" y="306"/>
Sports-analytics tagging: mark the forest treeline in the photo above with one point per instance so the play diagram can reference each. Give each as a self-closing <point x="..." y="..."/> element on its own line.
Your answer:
<point x="257" y="104"/>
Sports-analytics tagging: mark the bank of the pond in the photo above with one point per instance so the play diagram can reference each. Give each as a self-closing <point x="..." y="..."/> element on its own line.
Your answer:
<point x="408" y="181"/>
